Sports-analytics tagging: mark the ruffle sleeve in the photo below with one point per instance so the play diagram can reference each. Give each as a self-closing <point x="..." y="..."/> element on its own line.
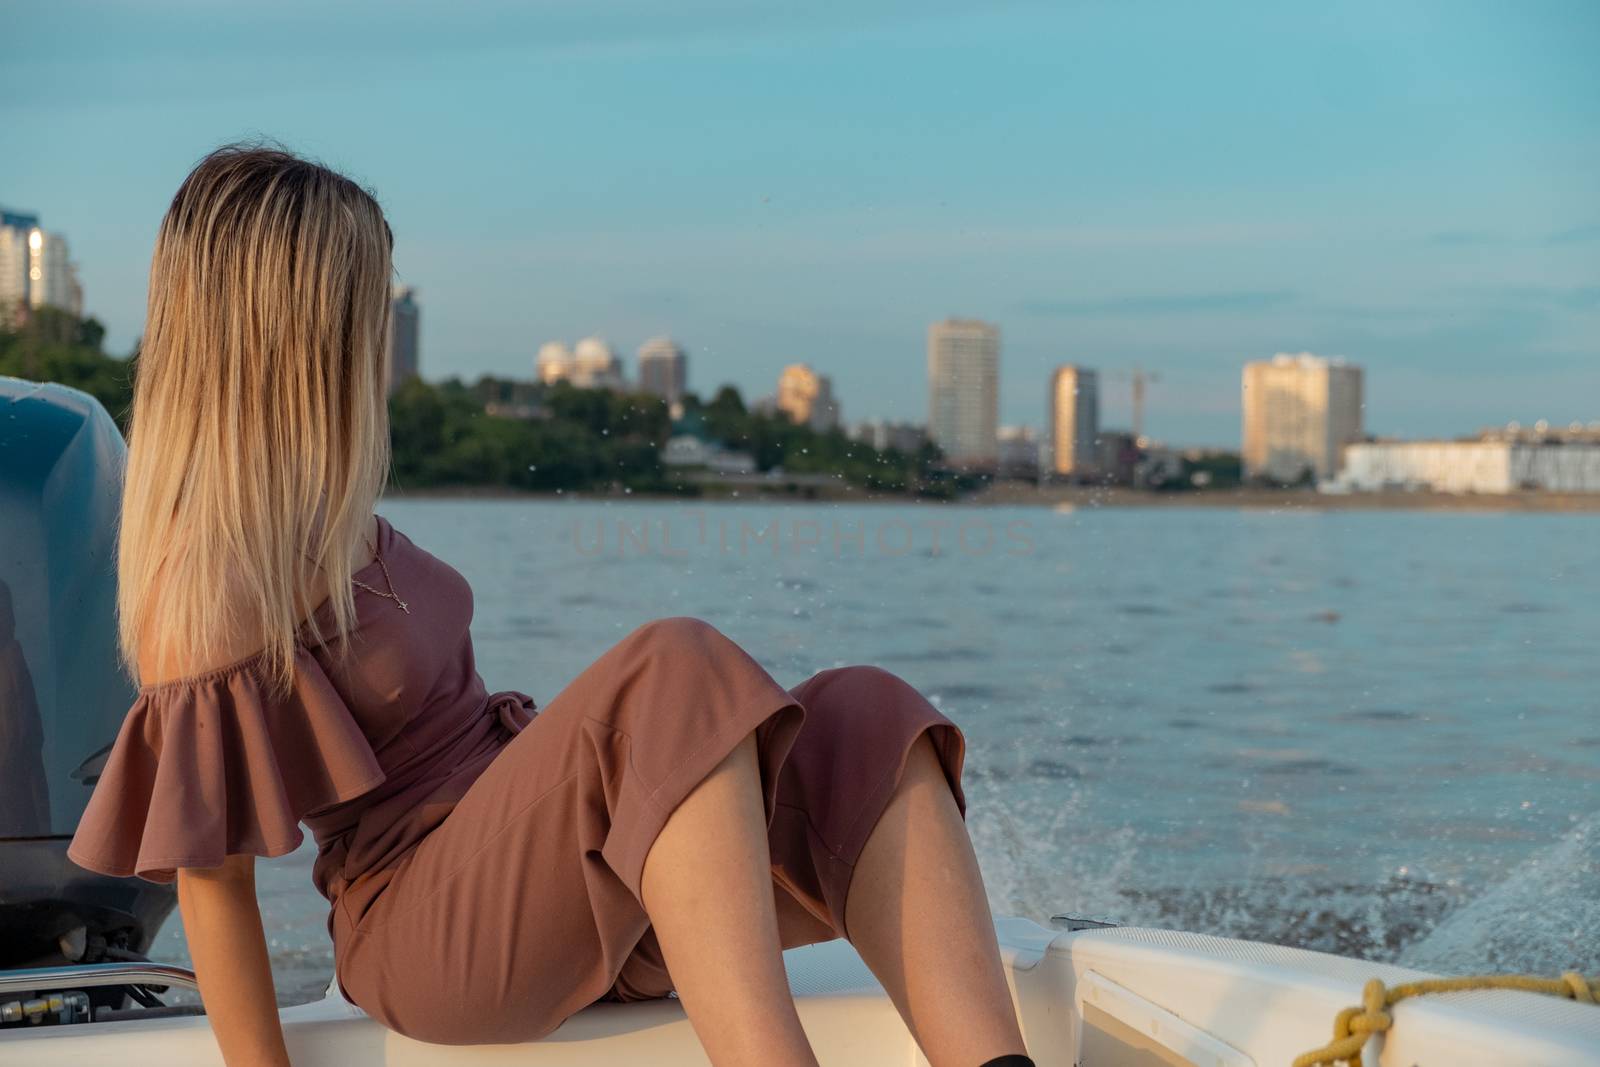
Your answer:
<point x="214" y="766"/>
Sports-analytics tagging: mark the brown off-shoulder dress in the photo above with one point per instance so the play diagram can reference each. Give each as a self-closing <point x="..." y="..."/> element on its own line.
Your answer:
<point x="482" y="857"/>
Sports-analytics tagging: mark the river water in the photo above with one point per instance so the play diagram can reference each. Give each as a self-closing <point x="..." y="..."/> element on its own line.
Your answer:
<point x="1375" y="733"/>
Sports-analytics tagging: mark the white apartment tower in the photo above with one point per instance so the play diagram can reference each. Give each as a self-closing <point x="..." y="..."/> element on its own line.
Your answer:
<point x="1300" y="411"/>
<point x="36" y="269"/>
<point x="964" y="391"/>
<point x="52" y="276"/>
<point x="596" y="365"/>
<point x="553" y="363"/>
<point x="663" y="369"/>
<point x="13" y="268"/>
<point x="1074" y="422"/>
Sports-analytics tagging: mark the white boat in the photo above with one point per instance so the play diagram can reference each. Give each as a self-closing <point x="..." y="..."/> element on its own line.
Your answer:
<point x="1101" y="997"/>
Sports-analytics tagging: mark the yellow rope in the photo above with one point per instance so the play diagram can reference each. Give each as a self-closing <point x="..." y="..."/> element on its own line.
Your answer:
<point x="1353" y="1026"/>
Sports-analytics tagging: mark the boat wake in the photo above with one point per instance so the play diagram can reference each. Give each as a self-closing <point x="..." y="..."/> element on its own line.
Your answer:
<point x="1541" y="919"/>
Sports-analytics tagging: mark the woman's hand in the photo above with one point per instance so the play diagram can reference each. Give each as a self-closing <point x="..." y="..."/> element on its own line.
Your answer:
<point x="223" y="925"/>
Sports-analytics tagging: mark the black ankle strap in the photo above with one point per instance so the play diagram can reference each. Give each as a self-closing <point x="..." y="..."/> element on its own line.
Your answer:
<point x="1010" y="1060"/>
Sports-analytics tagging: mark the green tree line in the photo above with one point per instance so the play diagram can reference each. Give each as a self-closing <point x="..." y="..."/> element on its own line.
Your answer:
<point x="559" y="437"/>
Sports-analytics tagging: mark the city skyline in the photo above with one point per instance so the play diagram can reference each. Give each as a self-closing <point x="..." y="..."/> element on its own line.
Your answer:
<point x="1179" y="190"/>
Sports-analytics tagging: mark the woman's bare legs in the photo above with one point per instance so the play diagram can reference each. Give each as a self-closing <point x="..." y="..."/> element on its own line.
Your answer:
<point x="918" y="915"/>
<point x="707" y="887"/>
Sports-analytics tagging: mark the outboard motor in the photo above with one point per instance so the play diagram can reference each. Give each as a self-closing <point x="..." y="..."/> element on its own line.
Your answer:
<point x="72" y="943"/>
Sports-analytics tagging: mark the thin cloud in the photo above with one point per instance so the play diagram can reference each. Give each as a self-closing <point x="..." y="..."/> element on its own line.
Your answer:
<point x="1457" y="238"/>
<point x="1575" y="235"/>
<point x="1463" y="238"/>
<point x="1580" y="298"/>
<point x="1563" y="297"/>
<point x="1167" y="304"/>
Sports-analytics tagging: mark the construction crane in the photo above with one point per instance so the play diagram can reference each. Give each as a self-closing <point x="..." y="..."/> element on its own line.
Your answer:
<point x="1141" y="380"/>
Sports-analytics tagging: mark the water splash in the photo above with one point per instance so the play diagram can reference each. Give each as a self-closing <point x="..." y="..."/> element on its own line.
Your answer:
<point x="1543" y="918"/>
<point x="1017" y="840"/>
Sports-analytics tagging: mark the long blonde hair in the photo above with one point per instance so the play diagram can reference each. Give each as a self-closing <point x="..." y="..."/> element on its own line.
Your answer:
<point x="259" y="439"/>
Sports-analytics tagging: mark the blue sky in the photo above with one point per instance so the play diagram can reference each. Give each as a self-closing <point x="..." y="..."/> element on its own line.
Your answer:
<point x="1181" y="187"/>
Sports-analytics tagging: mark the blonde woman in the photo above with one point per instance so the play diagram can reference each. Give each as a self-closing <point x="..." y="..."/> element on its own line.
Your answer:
<point x="670" y="821"/>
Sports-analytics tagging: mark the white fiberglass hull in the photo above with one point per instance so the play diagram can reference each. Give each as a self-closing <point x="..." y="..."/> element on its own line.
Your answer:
<point x="1123" y="997"/>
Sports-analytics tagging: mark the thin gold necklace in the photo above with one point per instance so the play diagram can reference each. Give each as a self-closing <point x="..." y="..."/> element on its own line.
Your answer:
<point x="390" y="595"/>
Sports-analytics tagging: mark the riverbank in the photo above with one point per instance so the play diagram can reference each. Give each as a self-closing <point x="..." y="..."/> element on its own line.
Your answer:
<point x="1016" y="494"/>
<point x="1285" y="499"/>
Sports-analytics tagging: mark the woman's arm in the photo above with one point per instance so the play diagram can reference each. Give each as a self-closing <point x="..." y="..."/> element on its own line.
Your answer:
<point x="223" y="925"/>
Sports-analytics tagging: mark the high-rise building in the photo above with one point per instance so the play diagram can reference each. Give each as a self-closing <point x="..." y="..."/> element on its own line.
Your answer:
<point x="14" y="230"/>
<point x="596" y="365"/>
<point x="1074" y="422"/>
<point x="964" y="390"/>
<point x="554" y="362"/>
<point x="36" y="269"/>
<point x="52" y="276"/>
<point x="663" y="369"/>
<point x="1300" y="411"/>
<point x="807" y="397"/>
<point x="404" y="354"/>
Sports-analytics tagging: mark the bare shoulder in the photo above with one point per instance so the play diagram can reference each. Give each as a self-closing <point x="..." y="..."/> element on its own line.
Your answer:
<point x="162" y="661"/>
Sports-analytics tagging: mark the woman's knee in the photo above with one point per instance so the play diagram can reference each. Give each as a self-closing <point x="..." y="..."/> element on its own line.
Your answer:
<point x="866" y="709"/>
<point x="856" y="688"/>
<point x="689" y="675"/>
<point x="676" y="635"/>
